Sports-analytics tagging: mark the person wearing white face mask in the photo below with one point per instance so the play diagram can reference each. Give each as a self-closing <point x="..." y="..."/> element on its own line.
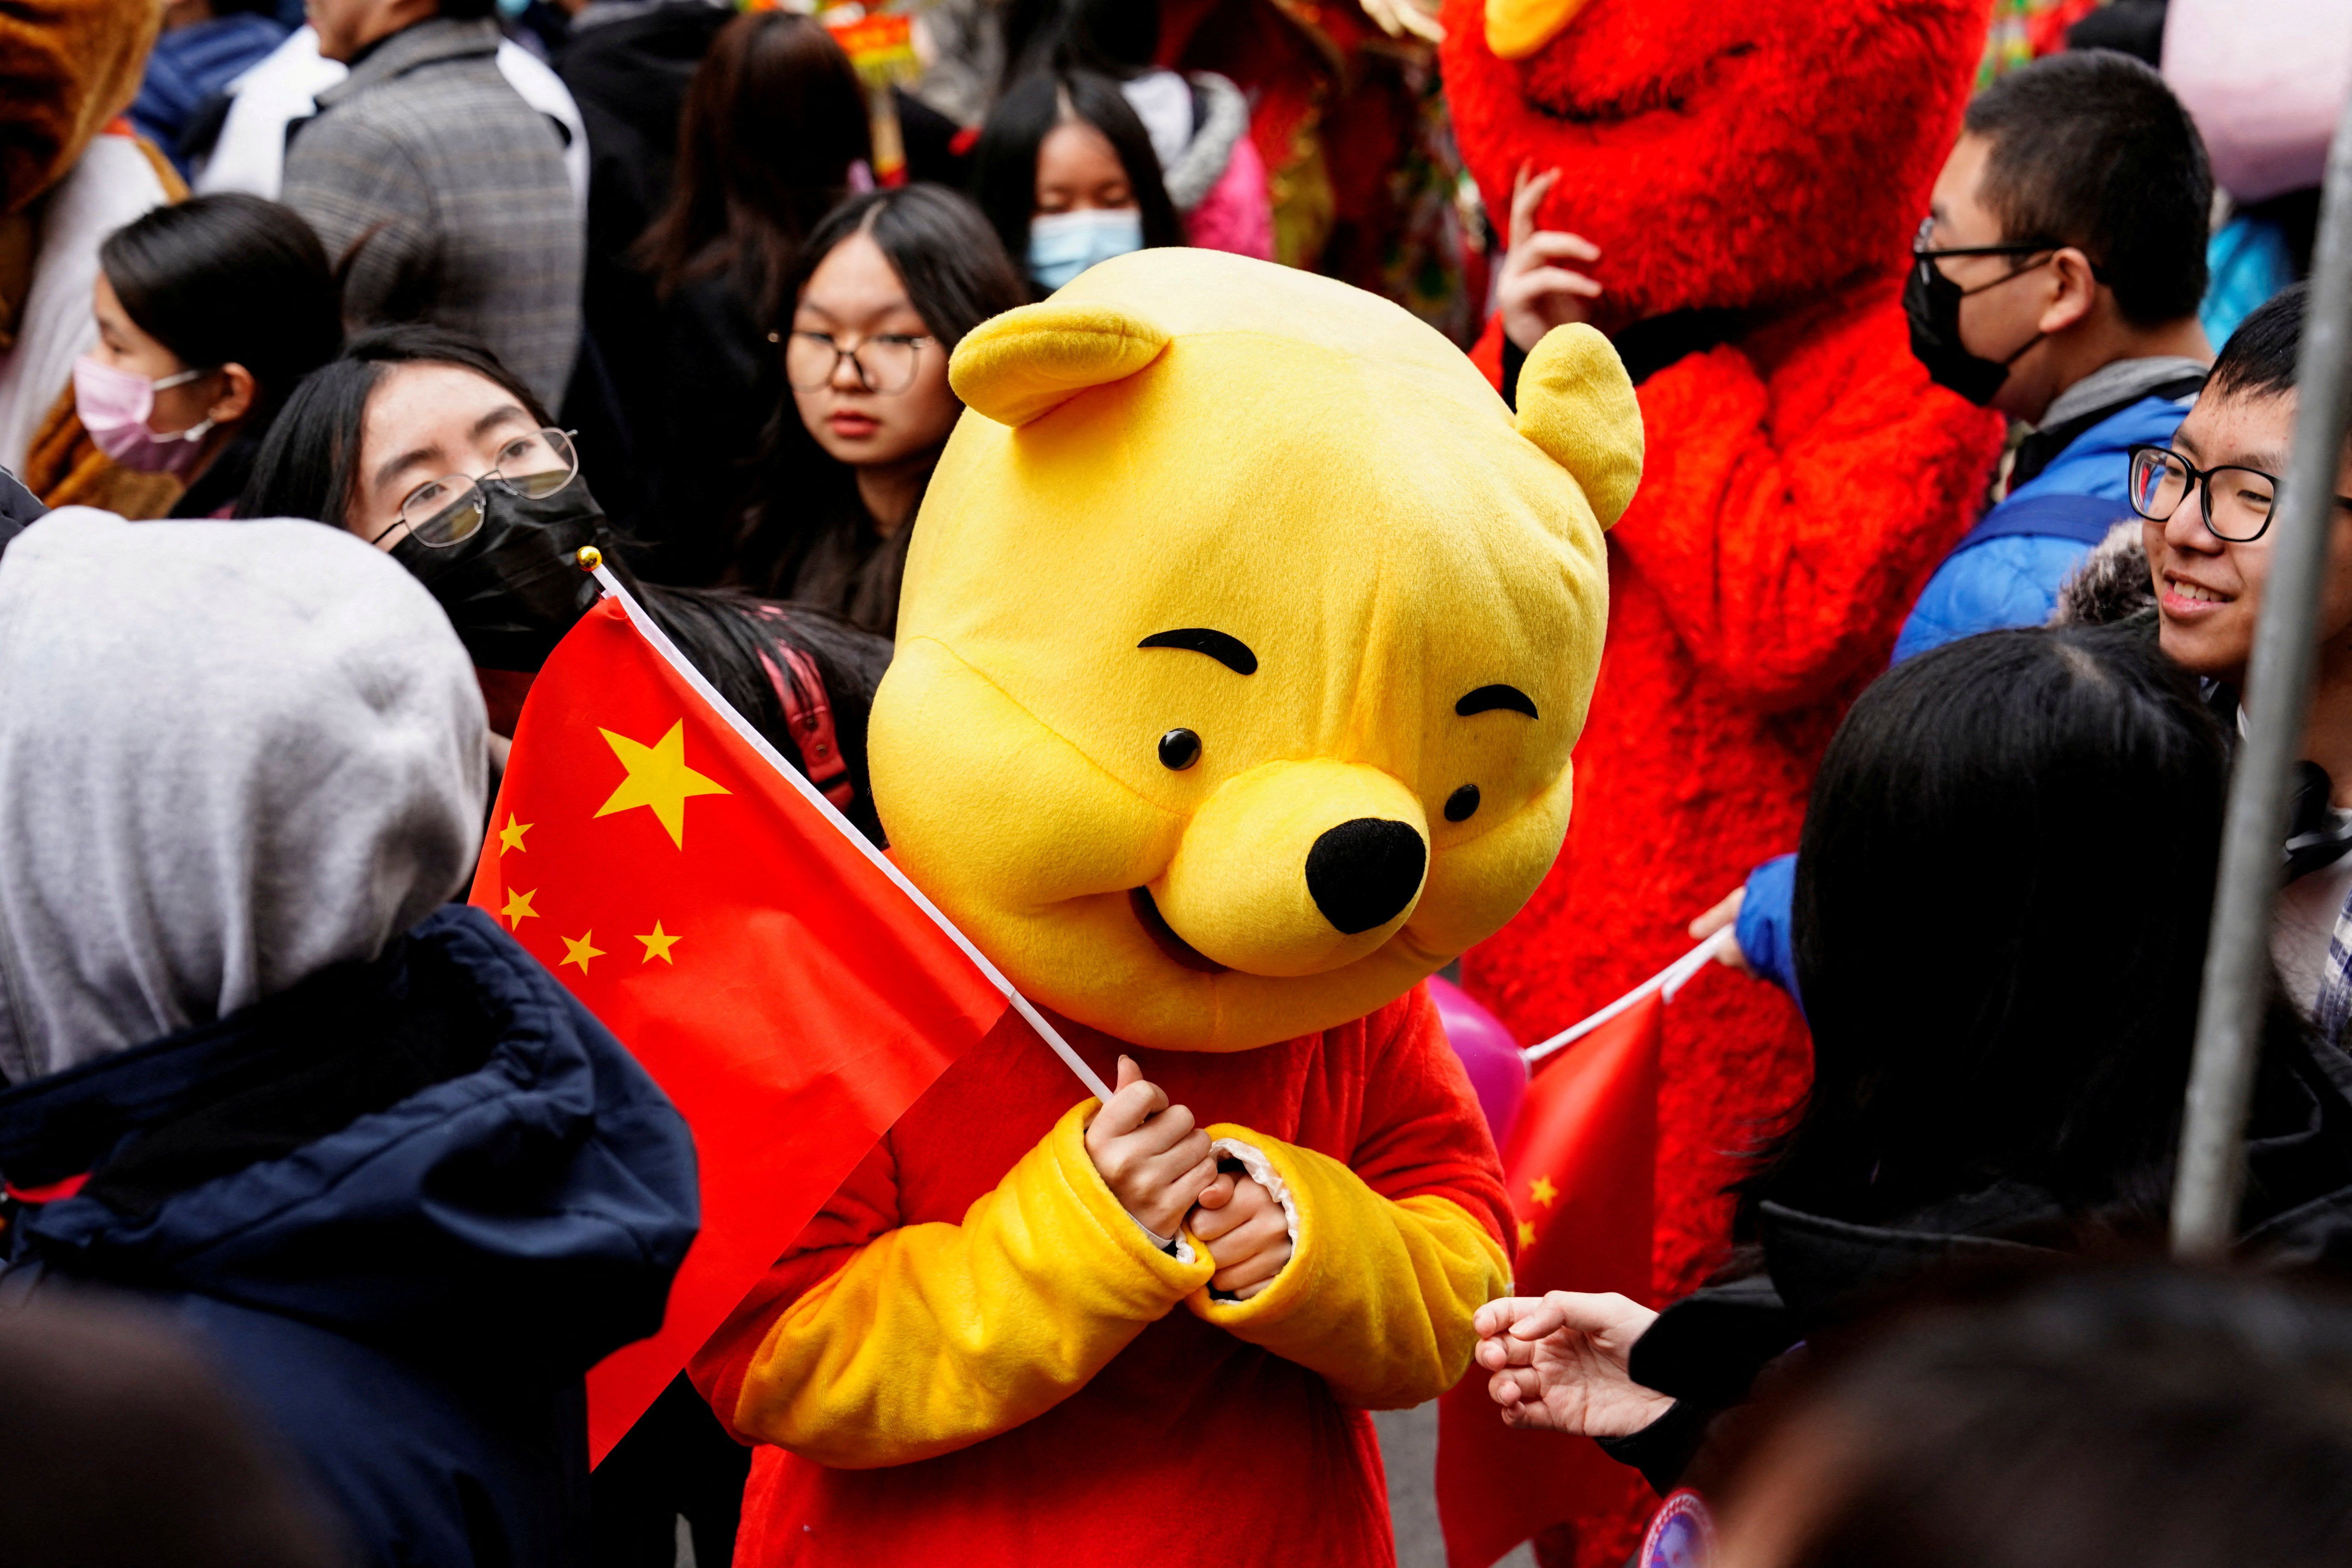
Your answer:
<point x="1066" y="172"/>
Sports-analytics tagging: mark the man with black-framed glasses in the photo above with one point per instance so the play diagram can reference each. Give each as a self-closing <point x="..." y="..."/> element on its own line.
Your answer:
<point x="2206" y="498"/>
<point x="2056" y="279"/>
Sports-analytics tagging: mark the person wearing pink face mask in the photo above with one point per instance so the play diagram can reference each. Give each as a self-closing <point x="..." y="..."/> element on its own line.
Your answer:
<point x="208" y="313"/>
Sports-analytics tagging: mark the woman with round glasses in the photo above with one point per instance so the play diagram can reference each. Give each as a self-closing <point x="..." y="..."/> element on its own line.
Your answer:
<point x="884" y="288"/>
<point x="420" y="442"/>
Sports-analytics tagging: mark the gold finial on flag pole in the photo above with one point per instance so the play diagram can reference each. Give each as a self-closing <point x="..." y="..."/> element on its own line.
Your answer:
<point x="589" y="557"/>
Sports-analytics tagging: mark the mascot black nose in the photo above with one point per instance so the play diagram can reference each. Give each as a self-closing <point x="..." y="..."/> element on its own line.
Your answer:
<point x="1362" y="872"/>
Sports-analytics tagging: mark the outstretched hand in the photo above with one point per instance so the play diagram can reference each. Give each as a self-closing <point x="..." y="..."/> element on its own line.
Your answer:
<point x="1150" y="1153"/>
<point x="1559" y="1363"/>
<point x="1533" y="292"/>
<point x="1727" y="953"/>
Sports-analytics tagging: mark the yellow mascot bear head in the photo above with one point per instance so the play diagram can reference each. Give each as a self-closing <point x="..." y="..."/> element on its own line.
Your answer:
<point x="1244" y="638"/>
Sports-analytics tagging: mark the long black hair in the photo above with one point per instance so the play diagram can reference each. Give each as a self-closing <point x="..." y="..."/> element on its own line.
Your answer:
<point x="229" y="280"/>
<point x="1004" y="165"/>
<point x="773" y="119"/>
<point x="956" y="276"/>
<point x="2003" y="890"/>
<point x="309" y="468"/>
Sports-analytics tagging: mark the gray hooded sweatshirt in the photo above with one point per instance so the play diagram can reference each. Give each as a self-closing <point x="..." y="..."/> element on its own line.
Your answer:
<point x="231" y="754"/>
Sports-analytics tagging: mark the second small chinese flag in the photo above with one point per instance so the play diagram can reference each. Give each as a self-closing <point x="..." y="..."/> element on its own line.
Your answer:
<point x="790" y="997"/>
<point x="1581" y="1164"/>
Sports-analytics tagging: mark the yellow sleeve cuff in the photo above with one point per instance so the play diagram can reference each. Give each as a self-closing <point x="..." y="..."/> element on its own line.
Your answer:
<point x="1379" y="1294"/>
<point x="936" y="1336"/>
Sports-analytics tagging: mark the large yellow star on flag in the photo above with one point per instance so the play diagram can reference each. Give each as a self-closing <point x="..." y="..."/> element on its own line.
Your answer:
<point x="658" y="778"/>
<point x="1542" y="1191"/>
<point x="579" y="950"/>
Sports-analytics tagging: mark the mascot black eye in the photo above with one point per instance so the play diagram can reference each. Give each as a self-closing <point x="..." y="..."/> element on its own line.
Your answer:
<point x="1459" y="805"/>
<point x="1179" y="749"/>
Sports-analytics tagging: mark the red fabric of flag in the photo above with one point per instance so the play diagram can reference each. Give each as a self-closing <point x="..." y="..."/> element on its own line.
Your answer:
<point x="1581" y="1166"/>
<point x="790" y="997"/>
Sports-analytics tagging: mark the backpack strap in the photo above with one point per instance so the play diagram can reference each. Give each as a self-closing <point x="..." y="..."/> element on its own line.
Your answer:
<point x="2083" y="519"/>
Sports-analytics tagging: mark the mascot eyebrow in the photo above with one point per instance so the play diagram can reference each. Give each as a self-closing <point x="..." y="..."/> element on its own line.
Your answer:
<point x="1225" y="649"/>
<point x="1487" y="699"/>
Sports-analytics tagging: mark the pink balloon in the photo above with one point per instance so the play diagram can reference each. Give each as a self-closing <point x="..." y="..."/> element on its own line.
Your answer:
<point x="1497" y="1071"/>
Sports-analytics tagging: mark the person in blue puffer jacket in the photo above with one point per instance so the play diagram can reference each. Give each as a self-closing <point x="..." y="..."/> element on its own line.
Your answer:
<point x="2056" y="279"/>
<point x="398" y="1187"/>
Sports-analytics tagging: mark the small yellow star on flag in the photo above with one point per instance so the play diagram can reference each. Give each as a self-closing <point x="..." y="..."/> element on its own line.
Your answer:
<point x="657" y="945"/>
<point x="510" y="836"/>
<point x="1527" y="1233"/>
<point x="519" y="908"/>
<point x="580" y="952"/>
<point x="658" y="779"/>
<point x="1542" y="1191"/>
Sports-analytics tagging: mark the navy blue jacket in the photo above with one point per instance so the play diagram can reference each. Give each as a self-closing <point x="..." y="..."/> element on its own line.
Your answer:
<point x="406" y="1204"/>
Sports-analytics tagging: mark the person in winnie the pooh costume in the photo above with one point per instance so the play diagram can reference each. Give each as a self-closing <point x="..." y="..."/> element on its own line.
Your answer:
<point x="1246" y="635"/>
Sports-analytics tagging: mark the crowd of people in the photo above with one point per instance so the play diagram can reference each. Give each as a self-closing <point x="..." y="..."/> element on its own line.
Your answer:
<point x="480" y="312"/>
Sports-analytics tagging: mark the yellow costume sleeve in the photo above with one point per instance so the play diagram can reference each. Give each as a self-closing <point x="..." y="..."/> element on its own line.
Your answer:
<point x="936" y="1336"/>
<point x="1378" y="1293"/>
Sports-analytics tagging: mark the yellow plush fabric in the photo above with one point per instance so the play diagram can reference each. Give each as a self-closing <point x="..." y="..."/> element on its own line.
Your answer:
<point x="1184" y="440"/>
<point x="1574" y="403"/>
<point x="1378" y="1295"/>
<point x="936" y="1336"/>
<point x="1014" y="377"/>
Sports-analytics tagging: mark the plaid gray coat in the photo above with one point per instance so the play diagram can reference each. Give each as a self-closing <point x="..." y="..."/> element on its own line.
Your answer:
<point x="446" y="191"/>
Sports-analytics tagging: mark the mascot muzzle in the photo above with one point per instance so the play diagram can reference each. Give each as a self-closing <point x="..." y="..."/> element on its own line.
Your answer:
<point x="1291" y="868"/>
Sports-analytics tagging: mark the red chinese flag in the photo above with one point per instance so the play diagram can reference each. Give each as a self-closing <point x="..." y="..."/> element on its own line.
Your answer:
<point x="787" y="994"/>
<point x="1581" y="1164"/>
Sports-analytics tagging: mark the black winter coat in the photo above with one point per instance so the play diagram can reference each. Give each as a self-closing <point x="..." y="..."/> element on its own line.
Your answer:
<point x="1809" y="1271"/>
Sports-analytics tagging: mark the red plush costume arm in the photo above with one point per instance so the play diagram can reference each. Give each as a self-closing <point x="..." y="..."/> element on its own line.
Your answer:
<point x="1787" y="518"/>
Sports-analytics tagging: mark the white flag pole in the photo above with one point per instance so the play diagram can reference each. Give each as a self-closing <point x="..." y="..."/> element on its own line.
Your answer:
<point x="592" y="560"/>
<point x="1669" y="980"/>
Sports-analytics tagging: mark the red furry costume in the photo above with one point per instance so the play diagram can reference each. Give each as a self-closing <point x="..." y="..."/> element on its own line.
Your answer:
<point x="1384" y="1093"/>
<point x="1770" y="160"/>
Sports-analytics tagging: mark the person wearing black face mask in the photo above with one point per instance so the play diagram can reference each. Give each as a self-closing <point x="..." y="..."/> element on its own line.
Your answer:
<point x="2056" y="279"/>
<point x="498" y="550"/>
<point x="419" y="441"/>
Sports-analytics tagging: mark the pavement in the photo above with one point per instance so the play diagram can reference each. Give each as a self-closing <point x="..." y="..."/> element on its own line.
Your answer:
<point x="1409" y="1448"/>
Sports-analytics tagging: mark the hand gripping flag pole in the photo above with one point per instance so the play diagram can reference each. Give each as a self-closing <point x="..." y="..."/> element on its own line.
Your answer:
<point x="1666" y="982"/>
<point x="592" y="560"/>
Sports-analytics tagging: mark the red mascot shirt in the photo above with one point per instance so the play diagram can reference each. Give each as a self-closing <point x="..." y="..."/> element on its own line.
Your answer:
<point x="997" y="1368"/>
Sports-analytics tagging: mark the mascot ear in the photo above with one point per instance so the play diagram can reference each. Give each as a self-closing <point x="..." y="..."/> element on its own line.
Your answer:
<point x="1023" y="364"/>
<point x="1577" y="403"/>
